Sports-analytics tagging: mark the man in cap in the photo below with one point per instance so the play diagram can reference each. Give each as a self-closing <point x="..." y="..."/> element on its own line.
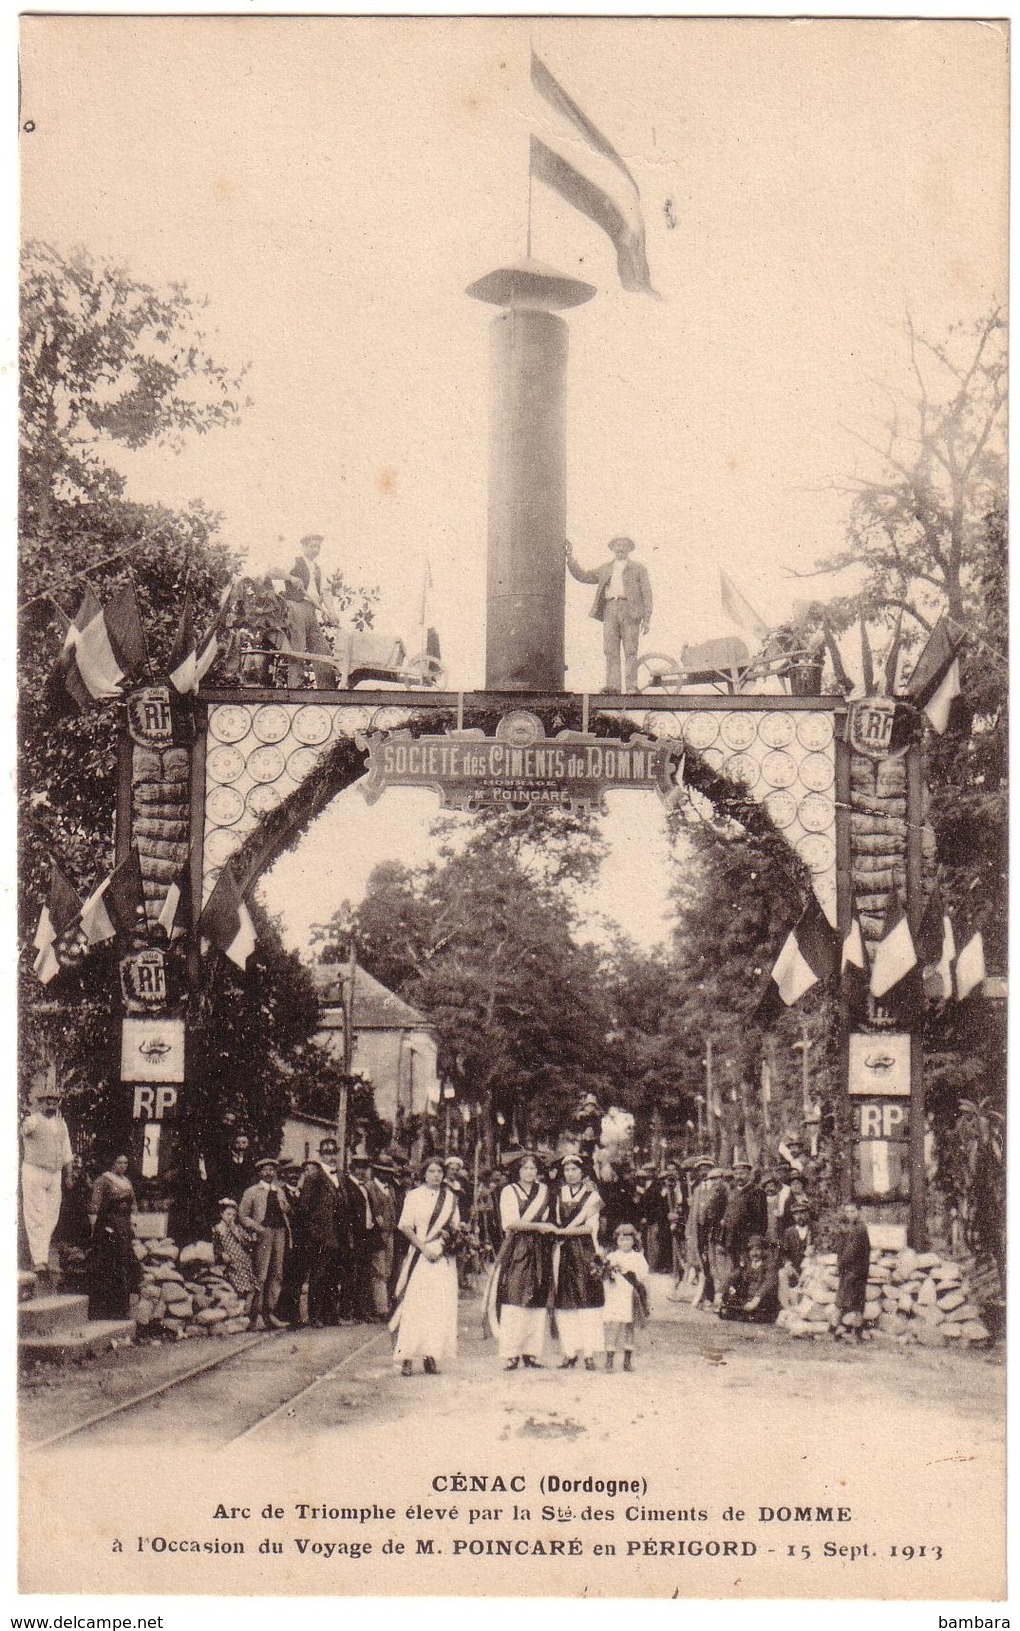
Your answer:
<point x="794" y="1246"/>
<point x="46" y="1170"/>
<point x="265" y="1209"/>
<point x="697" y="1242"/>
<point x="384" y="1205"/>
<point x="323" y="1214"/>
<point x="744" y="1216"/>
<point x="623" y="605"/>
<point x="364" y="1236"/>
<point x="307" y="598"/>
<point x="295" y="1258"/>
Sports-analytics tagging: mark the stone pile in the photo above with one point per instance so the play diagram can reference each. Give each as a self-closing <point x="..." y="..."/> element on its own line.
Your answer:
<point x="185" y="1292"/>
<point x="912" y="1297"/>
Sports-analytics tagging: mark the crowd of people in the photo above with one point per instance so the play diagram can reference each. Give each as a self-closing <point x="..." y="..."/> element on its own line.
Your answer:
<point x="563" y="1244"/>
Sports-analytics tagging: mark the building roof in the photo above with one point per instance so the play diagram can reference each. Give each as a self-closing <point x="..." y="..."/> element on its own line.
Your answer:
<point x="375" y="1007"/>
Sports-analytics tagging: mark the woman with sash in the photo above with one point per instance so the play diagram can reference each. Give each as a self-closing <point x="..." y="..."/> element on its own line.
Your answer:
<point x="424" y="1318"/>
<point x="579" y="1296"/>
<point x="517" y="1297"/>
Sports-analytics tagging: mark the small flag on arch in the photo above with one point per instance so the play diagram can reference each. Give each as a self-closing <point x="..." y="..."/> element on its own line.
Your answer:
<point x="58" y="918"/>
<point x="895" y="955"/>
<point x="739" y="608"/>
<point x="107" y="650"/>
<point x="191" y="659"/>
<point x="970" y="966"/>
<point x="113" y="908"/>
<point x="935" y="681"/>
<point x="808" y="955"/>
<point x="571" y="155"/>
<point x="226" y="921"/>
<point x="853" y="967"/>
<point x="175" y="911"/>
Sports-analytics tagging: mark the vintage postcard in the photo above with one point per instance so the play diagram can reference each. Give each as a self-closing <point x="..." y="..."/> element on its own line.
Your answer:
<point x="512" y="665"/>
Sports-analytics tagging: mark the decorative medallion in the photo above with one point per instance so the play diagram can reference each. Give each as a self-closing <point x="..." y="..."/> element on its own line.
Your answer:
<point x="312" y="725"/>
<point x="271" y="723"/>
<point x="777" y="730"/>
<point x="224" y="806"/>
<point x="739" y="731"/>
<point x="266" y="764"/>
<point x="224" y="764"/>
<point x="228" y="723"/>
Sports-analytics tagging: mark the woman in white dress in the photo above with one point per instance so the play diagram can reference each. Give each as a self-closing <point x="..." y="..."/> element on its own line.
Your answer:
<point x="425" y="1312"/>
<point x="518" y="1292"/>
<point x="577" y="1271"/>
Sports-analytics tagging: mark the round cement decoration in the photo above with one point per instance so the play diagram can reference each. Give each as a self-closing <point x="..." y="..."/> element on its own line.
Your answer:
<point x="700" y="731"/>
<point x="782" y="809"/>
<point x="271" y="723"/>
<point x="229" y="723"/>
<point x="312" y="725"/>
<point x="266" y="764"/>
<point x="817" y="772"/>
<point x="817" y="814"/>
<point x="777" y="730"/>
<point x="224" y="806"/>
<point x="815" y="730"/>
<point x="779" y="769"/>
<point x="739" y="731"/>
<point x="224" y="764"/>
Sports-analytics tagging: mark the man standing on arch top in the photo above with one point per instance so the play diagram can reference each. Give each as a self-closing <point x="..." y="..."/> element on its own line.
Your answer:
<point x="623" y="605"/>
<point x="307" y="599"/>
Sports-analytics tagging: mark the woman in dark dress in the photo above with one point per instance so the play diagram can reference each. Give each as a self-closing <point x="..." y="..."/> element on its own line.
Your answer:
<point x="518" y="1291"/>
<point x="579" y="1296"/>
<point x="114" y="1270"/>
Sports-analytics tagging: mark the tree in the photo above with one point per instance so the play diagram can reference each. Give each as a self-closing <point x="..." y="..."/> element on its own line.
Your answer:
<point x="105" y="358"/>
<point x="916" y="532"/>
<point x="486" y="950"/>
<point x="926" y="537"/>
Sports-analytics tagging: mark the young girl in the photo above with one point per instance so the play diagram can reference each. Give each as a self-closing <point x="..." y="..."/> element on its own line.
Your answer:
<point x="626" y="1295"/>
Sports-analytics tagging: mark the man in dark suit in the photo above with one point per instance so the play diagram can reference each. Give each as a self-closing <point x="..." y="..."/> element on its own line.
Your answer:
<point x="364" y="1238"/>
<point x="623" y="605"/>
<point x="306" y="599"/>
<point x="325" y="1225"/>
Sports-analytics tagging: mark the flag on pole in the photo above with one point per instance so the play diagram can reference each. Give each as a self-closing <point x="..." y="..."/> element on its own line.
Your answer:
<point x="853" y="967"/>
<point x="970" y="966"/>
<point x="895" y="954"/>
<point x="65" y="681"/>
<point x="226" y="921"/>
<point x="426" y="587"/>
<point x="108" y="651"/>
<point x="116" y="905"/>
<point x="808" y="955"/>
<point x="935" y="680"/>
<point x="571" y="155"/>
<point x="57" y="918"/>
<point x="739" y="608"/>
<point x="190" y="658"/>
<point x="176" y="909"/>
<point x="936" y="947"/>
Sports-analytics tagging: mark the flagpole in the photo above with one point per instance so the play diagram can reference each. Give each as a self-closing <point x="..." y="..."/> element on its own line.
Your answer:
<point x="915" y="903"/>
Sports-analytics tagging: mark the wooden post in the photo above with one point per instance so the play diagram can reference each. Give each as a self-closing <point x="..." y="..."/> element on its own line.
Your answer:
<point x="345" y="1085"/>
<point x="845" y="1136"/>
<point x="915" y="908"/>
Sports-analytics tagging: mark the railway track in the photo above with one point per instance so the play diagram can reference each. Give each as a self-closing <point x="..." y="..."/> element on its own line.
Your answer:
<point x="153" y="1396"/>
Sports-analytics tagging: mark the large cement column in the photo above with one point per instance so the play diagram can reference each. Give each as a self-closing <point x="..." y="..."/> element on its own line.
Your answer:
<point x="527" y="475"/>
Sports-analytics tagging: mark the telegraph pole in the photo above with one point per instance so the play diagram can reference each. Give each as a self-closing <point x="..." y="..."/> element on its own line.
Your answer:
<point x="915" y="908"/>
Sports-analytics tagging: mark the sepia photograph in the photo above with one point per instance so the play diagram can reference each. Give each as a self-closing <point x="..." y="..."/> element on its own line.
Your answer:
<point x="512" y="685"/>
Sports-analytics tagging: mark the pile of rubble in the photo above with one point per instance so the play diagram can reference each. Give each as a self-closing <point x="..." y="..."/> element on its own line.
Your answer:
<point x="912" y="1297"/>
<point x="185" y="1292"/>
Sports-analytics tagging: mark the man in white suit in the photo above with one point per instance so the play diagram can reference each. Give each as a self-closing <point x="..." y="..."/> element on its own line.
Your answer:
<point x="623" y="605"/>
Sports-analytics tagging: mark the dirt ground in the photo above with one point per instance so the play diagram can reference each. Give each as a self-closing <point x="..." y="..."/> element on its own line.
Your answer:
<point x="716" y="1418"/>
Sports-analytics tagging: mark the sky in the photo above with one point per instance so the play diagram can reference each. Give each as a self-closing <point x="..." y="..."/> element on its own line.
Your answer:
<point x="331" y="186"/>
